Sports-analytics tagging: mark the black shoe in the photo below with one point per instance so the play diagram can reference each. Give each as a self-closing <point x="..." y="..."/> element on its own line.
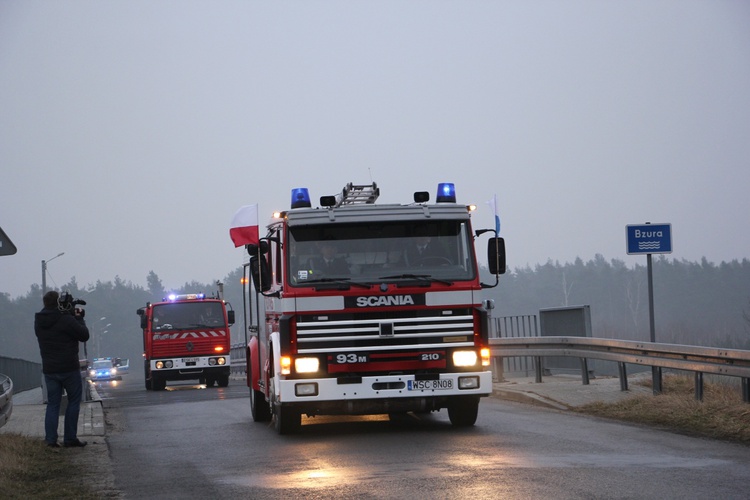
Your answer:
<point x="53" y="445"/>
<point x="75" y="444"/>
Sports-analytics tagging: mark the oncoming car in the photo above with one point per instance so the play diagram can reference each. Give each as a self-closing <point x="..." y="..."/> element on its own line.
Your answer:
<point x="103" y="369"/>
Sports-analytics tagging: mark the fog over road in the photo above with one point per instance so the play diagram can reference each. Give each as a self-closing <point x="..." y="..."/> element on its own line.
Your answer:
<point x="202" y="443"/>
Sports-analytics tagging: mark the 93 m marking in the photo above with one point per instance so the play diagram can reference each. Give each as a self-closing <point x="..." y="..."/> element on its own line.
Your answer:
<point x="342" y="359"/>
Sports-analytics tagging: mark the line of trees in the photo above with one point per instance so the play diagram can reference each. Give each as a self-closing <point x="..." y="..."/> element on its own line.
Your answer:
<point x="695" y="303"/>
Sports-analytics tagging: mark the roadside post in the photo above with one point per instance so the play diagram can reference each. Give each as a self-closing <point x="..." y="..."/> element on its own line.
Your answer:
<point x="650" y="239"/>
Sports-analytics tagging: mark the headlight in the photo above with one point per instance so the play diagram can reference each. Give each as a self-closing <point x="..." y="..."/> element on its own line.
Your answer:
<point x="221" y="361"/>
<point x="464" y="358"/>
<point x="92" y="373"/>
<point x="159" y="365"/>
<point x="306" y="365"/>
<point x="114" y="371"/>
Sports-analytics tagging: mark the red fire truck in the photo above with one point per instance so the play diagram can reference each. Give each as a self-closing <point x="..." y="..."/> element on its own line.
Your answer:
<point x="186" y="337"/>
<point x="378" y="328"/>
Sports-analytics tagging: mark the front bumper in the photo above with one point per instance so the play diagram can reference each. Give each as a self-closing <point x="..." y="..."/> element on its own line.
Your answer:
<point x="382" y="394"/>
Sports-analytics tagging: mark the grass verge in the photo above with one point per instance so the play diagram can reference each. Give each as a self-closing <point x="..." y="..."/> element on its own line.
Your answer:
<point x="31" y="469"/>
<point x="721" y="415"/>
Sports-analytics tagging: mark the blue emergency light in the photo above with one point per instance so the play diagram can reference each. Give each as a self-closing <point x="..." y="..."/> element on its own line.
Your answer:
<point x="300" y="198"/>
<point x="186" y="296"/>
<point x="446" y="193"/>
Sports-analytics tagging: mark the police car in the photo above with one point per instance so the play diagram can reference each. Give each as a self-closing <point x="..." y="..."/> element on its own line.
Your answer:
<point x="103" y="369"/>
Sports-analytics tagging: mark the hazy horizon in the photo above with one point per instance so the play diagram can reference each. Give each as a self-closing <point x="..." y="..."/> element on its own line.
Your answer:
<point x="131" y="132"/>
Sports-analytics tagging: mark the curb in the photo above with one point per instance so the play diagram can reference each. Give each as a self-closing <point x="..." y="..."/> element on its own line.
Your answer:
<point x="527" y="398"/>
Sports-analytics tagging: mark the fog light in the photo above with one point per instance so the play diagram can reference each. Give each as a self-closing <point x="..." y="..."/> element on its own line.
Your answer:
<point x="464" y="358"/>
<point x="306" y="365"/>
<point x="468" y="382"/>
<point x="307" y="389"/>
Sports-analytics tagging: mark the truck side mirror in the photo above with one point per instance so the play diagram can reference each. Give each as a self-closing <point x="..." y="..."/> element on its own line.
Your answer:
<point x="496" y="255"/>
<point x="230" y="317"/>
<point x="261" y="273"/>
<point x="144" y="321"/>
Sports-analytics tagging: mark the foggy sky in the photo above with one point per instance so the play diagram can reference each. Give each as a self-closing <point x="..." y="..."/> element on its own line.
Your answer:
<point x="131" y="131"/>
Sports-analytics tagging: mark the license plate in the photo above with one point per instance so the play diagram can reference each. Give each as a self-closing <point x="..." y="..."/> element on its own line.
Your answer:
<point x="189" y="360"/>
<point x="430" y="385"/>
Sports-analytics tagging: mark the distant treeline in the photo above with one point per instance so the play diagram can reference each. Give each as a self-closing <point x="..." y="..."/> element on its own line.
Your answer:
<point x="695" y="303"/>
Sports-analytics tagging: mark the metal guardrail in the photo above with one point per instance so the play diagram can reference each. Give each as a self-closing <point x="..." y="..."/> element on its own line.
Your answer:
<point x="700" y="360"/>
<point x="6" y="399"/>
<point x="237" y="354"/>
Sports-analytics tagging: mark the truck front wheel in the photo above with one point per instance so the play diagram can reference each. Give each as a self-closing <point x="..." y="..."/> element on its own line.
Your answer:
<point x="158" y="384"/>
<point x="287" y="420"/>
<point x="463" y="412"/>
<point x="259" y="407"/>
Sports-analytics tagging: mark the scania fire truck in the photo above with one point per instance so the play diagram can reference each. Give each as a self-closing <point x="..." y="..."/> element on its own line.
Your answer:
<point x="186" y="337"/>
<point x="384" y="330"/>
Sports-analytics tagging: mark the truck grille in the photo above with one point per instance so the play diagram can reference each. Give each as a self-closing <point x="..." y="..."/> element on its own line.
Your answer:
<point x="373" y="332"/>
<point x="193" y="343"/>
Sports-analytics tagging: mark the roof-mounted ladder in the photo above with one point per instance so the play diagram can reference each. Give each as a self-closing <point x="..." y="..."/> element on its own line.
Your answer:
<point x="353" y="194"/>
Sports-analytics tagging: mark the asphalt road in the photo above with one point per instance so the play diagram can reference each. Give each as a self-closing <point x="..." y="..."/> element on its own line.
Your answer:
<point x="192" y="442"/>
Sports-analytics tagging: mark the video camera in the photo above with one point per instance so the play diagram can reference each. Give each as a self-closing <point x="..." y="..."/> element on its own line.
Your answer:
<point x="66" y="303"/>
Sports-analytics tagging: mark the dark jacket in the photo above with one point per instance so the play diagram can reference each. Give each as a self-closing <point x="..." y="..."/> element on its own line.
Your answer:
<point x="58" y="334"/>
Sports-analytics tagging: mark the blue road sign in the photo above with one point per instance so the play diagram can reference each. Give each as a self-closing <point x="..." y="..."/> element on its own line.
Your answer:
<point x="649" y="238"/>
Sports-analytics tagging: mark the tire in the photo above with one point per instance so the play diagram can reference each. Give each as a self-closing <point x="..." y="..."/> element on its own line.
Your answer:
<point x="463" y="412"/>
<point x="158" y="384"/>
<point x="287" y="420"/>
<point x="223" y="380"/>
<point x="259" y="407"/>
<point x="148" y="384"/>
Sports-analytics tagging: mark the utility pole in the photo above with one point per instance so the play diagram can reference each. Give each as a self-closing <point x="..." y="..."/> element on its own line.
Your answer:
<point x="44" y="272"/>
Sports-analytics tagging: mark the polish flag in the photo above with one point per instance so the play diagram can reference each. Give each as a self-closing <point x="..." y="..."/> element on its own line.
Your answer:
<point x="244" y="228"/>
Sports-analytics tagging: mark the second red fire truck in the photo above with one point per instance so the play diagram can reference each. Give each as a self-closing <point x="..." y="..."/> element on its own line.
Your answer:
<point x="186" y="337"/>
<point x="355" y="320"/>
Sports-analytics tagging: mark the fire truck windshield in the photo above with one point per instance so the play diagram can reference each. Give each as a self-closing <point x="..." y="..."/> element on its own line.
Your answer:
<point x="188" y="315"/>
<point x="371" y="253"/>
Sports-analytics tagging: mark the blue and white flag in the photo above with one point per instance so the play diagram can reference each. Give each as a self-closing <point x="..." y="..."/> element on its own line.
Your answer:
<point x="493" y="204"/>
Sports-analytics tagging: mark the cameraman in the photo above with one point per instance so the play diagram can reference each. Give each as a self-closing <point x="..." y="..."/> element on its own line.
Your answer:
<point x="59" y="330"/>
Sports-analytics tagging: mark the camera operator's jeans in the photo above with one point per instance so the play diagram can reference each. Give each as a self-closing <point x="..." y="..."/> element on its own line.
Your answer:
<point x="56" y="382"/>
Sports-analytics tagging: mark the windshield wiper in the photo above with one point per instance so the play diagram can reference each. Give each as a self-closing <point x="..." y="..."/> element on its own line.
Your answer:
<point x="337" y="281"/>
<point x="419" y="277"/>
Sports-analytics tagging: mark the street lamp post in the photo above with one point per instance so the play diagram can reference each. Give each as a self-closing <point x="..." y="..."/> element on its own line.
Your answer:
<point x="44" y="272"/>
<point x="100" y="331"/>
